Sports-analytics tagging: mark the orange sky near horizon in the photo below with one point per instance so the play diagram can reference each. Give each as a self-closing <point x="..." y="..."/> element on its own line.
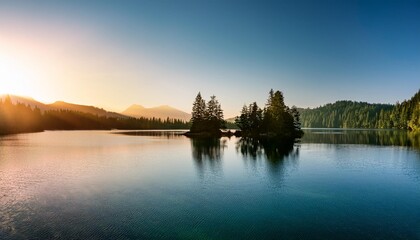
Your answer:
<point x="67" y="65"/>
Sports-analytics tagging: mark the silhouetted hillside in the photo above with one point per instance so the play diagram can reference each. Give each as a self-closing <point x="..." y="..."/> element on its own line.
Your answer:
<point x="19" y="118"/>
<point x="85" y="109"/>
<point x="26" y="101"/>
<point x="60" y="105"/>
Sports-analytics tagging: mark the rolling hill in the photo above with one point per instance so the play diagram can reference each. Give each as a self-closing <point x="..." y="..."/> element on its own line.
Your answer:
<point x="61" y="105"/>
<point x="85" y="109"/>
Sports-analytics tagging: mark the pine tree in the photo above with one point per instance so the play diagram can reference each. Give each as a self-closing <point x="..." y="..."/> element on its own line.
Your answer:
<point x="414" y="123"/>
<point x="207" y="118"/>
<point x="275" y="120"/>
<point x="211" y="112"/>
<point x="214" y="115"/>
<point x="243" y="120"/>
<point x="198" y="114"/>
<point x="296" y="118"/>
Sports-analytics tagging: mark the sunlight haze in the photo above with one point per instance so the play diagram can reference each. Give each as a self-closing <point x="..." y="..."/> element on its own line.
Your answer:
<point x="113" y="54"/>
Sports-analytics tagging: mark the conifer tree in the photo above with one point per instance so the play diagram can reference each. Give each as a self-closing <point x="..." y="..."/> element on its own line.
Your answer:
<point x="206" y="118"/>
<point x="275" y="120"/>
<point x="198" y="114"/>
<point x="296" y="118"/>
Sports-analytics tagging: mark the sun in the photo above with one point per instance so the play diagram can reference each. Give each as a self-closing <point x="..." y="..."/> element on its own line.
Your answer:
<point x="17" y="76"/>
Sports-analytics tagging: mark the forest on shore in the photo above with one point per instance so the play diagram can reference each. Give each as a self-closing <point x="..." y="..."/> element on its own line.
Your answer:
<point x="274" y="119"/>
<point x="20" y="118"/>
<point x="350" y="114"/>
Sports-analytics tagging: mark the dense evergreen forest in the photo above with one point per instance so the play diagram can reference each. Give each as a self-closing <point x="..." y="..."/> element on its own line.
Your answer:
<point x="349" y="114"/>
<point x="275" y="120"/>
<point x="19" y="118"/>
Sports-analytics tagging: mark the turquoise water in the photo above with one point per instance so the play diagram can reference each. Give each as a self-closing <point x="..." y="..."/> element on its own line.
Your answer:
<point x="159" y="185"/>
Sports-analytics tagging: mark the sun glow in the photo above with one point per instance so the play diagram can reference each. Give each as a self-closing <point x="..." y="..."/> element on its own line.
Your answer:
<point x="17" y="76"/>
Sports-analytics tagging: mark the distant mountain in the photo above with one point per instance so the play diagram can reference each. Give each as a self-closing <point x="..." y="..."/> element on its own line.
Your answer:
<point x="162" y="112"/>
<point x="61" y="105"/>
<point x="230" y="120"/>
<point x="85" y="109"/>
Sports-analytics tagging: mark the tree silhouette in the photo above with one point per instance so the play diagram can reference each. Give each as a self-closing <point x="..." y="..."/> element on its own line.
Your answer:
<point x="198" y="115"/>
<point x="206" y="118"/>
<point x="275" y="120"/>
<point x="251" y="119"/>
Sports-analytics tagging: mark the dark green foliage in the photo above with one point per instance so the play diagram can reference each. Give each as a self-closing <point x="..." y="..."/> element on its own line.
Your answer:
<point x="251" y="119"/>
<point x="344" y="114"/>
<point x="414" y="123"/>
<point x="349" y="114"/>
<point x="275" y="120"/>
<point x="18" y="118"/>
<point x="206" y="118"/>
<point x="405" y="115"/>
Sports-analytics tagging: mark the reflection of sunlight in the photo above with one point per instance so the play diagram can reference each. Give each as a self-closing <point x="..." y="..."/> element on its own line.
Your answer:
<point x="16" y="77"/>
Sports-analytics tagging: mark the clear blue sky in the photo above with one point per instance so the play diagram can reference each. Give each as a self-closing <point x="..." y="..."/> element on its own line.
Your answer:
<point x="116" y="53"/>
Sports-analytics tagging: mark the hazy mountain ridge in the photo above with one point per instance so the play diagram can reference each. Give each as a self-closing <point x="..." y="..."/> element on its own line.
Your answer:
<point x="135" y="110"/>
<point x="84" y="108"/>
<point x="162" y="112"/>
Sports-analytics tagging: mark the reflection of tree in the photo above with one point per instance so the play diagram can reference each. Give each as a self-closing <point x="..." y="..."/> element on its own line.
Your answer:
<point x="279" y="154"/>
<point x="159" y="133"/>
<point x="371" y="137"/>
<point x="207" y="154"/>
<point x="414" y="139"/>
<point x="207" y="148"/>
<point x="274" y="149"/>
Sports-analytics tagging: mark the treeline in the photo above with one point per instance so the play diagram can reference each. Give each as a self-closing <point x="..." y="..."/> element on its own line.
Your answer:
<point x="19" y="118"/>
<point x="349" y="114"/>
<point x="276" y="119"/>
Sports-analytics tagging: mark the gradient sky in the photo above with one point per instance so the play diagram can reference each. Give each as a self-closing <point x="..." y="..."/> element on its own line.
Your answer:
<point x="115" y="53"/>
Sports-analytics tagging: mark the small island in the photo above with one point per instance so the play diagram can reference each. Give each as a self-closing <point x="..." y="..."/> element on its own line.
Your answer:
<point x="206" y="119"/>
<point x="276" y="120"/>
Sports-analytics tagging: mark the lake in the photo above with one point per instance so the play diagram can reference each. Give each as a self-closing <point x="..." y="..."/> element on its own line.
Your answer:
<point x="341" y="184"/>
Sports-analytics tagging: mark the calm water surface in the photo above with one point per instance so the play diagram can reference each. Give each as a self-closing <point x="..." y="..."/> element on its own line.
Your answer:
<point x="141" y="185"/>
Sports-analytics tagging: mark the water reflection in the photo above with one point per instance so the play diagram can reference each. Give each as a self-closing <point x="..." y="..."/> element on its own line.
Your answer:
<point x="96" y="185"/>
<point x="368" y="137"/>
<point x="274" y="150"/>
<point x="280" y="157"/>
<point x="158" y="133"/>
<point x="207" y="154"/>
